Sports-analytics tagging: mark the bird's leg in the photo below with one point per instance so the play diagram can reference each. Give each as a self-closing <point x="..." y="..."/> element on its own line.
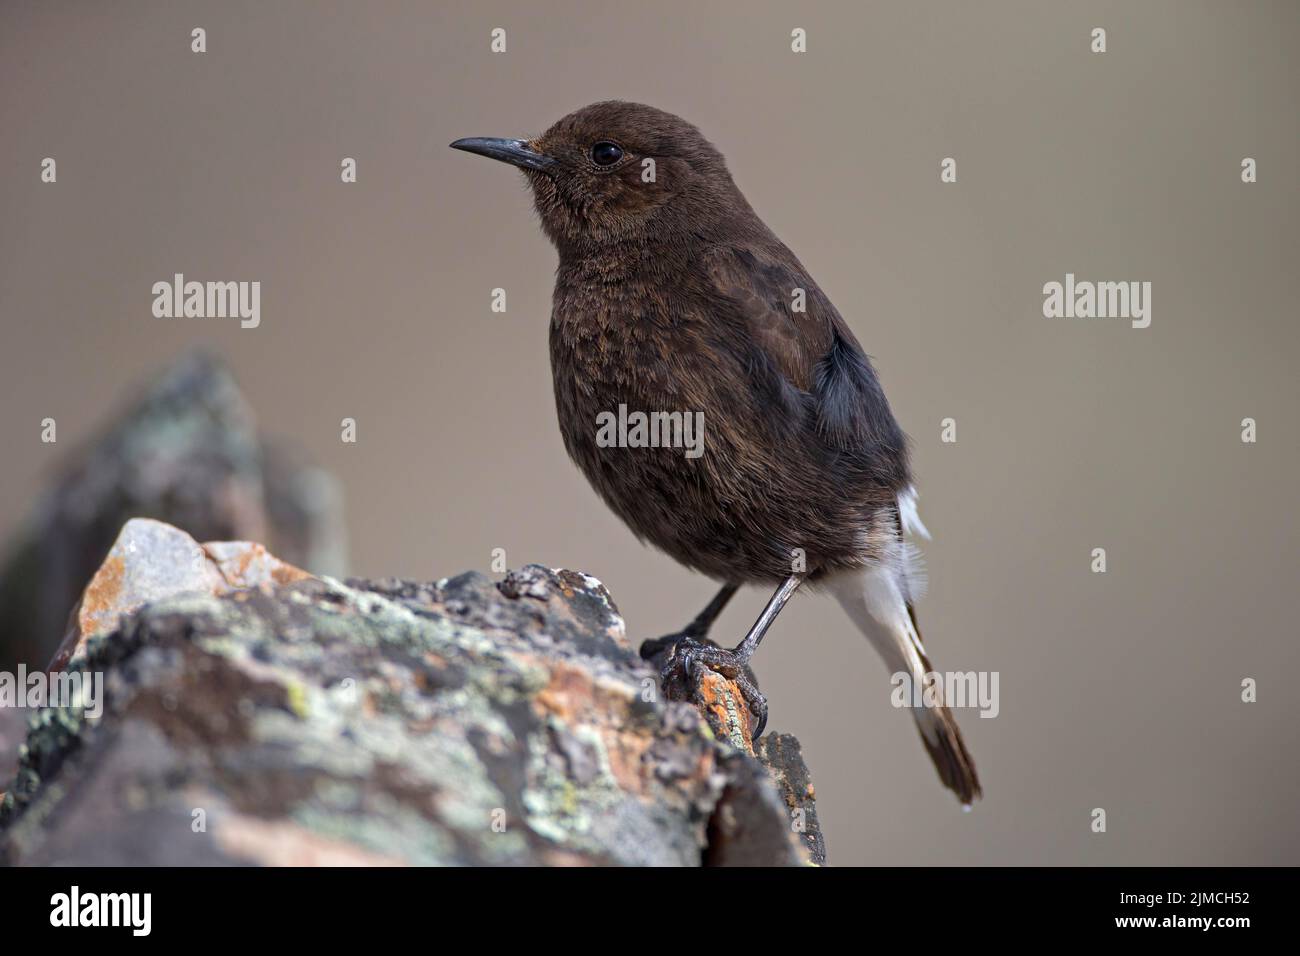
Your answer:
<point x="698" y="628"/>
<point x="691" y="652"/>
<point x="745" y="649"/>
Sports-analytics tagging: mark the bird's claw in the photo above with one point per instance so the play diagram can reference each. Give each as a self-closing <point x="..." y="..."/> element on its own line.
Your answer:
<point x="690" y="656"/>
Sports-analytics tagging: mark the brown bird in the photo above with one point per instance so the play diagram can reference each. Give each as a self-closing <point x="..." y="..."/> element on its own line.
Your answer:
<point x="675" y="301"/>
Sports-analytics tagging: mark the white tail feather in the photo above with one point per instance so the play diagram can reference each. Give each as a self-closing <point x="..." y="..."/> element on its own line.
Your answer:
<point x="908" y="515"/>
<point x="878" y="598"/>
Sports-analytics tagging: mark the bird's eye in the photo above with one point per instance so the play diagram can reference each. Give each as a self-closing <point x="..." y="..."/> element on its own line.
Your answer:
<point x="606" y="154"/>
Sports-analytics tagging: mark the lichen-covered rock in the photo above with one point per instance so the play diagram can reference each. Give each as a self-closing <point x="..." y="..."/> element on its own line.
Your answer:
<point x="13" y="731"/>
<point x="188" y="453"/>
<point x="783" y="756"/>
<point x="151" y="560"/>
<point x="389" y="722"/>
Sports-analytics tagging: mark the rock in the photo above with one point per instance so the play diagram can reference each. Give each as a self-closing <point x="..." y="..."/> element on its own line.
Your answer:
<point x="261" y="715"/>
<point x="783" y="756"/>
<point x="188" y="453"/>
<point x="13" y="731"/>
<point x="151" y="560"/>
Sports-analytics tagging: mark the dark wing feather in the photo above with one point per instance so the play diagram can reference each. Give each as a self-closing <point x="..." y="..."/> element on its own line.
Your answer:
<point x="760" y="292"/>
<point x="812" y="350"/>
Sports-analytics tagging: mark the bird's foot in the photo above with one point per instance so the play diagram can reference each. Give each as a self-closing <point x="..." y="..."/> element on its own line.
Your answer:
<point x="657" y="649"/>
<point x="684" y="661"/>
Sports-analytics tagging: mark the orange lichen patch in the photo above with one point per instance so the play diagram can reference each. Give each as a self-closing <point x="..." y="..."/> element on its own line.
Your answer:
<point x="242" y="562"/>
<point x="103" y="593"/>
<point x="724" y="708"/>
<point x="246" y="564"/>
<point x="288" y="574"/>
<point x="571" y="694"/>
<point x="101" y="599"/>
<point x="575" y="697"/>
<point x="626" y="759"/>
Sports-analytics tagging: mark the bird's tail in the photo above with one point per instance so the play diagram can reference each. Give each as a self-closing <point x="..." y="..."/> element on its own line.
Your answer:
<point x="878" y="599"/>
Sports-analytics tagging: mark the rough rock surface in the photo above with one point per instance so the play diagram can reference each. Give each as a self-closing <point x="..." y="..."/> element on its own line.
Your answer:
<point x="188" y="453"/>
<point x="13" y="732"/>
<point x="271" y="718"/>
<point x="151" y="560"/>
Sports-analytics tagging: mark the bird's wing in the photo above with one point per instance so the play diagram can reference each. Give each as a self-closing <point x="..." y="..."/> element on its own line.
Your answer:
<point x="812" y="349"/>
<point x="777" y="307"/>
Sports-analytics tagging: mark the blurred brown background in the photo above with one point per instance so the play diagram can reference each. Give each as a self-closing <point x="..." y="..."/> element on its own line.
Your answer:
<point x="1119" y="690"/>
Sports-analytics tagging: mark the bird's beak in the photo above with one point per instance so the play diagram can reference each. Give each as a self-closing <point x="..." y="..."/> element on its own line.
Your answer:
<point x="516" y="152"/>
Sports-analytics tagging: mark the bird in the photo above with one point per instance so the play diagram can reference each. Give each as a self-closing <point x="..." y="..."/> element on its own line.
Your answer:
<point x="672" y="297"/>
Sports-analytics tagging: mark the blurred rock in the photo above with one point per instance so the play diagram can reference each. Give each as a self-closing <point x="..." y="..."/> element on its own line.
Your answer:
<point x="270" y="717"/>
<point x="151" y="560"/>
<point x="13" y="731"/>
<point x="188" y="453"/>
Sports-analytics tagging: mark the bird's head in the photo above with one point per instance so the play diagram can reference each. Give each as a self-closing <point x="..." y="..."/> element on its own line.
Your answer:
<point x="616" y="171"/>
